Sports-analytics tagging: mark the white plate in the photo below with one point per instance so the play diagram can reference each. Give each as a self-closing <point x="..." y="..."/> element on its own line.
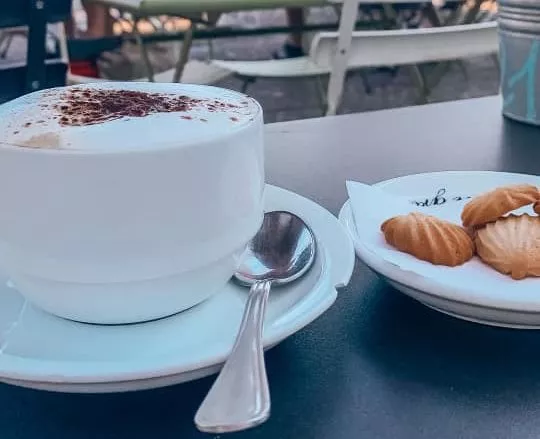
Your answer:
<point x="42" y="351"/>
<point x="503" y="303"/>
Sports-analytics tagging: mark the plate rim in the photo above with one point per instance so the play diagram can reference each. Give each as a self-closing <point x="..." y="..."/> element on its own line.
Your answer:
<point x="30" y="370"/>
<point x="425" y="284"/>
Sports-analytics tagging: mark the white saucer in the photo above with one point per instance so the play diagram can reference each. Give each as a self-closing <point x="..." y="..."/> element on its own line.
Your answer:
<point x="501" y="302"/>
<point x="42" y="351"/>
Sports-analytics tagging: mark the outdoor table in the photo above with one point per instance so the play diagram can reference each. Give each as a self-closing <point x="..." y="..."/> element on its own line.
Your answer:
<point x="181" y="7"/>
<point x="377" y="364"/>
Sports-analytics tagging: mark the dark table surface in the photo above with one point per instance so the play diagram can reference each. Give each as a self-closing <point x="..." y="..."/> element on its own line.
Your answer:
<point x="377" y="365"/>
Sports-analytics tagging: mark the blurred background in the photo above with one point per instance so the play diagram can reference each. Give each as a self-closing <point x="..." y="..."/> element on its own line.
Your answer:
<point x="280" y="52"/>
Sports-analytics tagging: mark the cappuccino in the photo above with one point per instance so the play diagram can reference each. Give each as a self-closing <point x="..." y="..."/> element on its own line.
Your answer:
<point x="129" y="117"/>
<point x="127" y="202"/>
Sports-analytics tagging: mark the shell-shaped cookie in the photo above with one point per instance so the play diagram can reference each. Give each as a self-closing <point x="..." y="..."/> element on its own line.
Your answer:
<point x="511" y="245"/>
<point x="492" y="205"/>
<point x="429" y="238"/>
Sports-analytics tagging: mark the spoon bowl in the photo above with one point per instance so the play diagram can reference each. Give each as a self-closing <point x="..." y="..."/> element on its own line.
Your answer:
<point x="282" y="251"/>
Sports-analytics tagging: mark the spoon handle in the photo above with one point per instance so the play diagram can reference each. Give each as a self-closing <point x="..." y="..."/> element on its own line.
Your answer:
<point x="240" y="398"/>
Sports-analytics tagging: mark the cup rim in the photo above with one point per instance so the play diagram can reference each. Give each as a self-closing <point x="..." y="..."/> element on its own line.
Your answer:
<point x="161" y="146"/>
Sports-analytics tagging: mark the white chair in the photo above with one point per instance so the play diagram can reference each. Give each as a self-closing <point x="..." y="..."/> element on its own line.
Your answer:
<point x="332" y="54"/>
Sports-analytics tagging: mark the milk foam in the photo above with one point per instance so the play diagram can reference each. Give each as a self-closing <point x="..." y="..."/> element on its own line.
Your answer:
<point x="33" y="120"/>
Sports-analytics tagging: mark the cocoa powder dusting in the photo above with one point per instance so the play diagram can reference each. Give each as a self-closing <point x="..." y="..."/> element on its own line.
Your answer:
<point x="80" y="107"/>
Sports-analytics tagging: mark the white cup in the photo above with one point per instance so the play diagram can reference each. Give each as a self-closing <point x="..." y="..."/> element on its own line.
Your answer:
<point x="133" y="219"/>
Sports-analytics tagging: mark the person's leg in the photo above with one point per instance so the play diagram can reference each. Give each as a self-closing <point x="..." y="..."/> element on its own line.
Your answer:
<point x="99" y="22"/>
<point x="70" y="26"/>
<point x="293" y="46"/>
<point x="295" y="17"/>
